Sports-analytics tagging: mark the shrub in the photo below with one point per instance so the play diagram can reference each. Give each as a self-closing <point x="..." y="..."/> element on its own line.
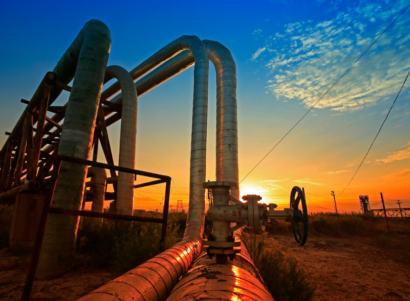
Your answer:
<point x="285" y="279"/>
<point x="122" y="245"/>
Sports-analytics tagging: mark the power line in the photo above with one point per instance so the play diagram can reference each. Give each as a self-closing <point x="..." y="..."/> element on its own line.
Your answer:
<point x="325" y="93"/>
<point x="378" y="132"/>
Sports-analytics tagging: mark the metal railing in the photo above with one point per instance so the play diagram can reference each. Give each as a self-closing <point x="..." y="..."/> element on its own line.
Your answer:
<point x="47" y="209"/>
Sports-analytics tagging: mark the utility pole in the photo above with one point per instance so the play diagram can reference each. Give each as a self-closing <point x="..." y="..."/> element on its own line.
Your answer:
<point x="334" y="198"/>
<point x="384" y="208"/>
<point x="398" y="202"/>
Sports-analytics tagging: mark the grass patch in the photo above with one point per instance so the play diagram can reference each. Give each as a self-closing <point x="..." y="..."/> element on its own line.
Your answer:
<point x="122" y="245"/>
<point x="283" y="275"/>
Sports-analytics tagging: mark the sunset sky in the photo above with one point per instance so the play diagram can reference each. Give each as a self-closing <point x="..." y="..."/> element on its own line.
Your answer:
<point x="288" y="53"/>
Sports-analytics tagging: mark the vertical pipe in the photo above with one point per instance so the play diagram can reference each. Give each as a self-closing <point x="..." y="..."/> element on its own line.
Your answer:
<point x="98" y="180"/>
<point x="226" y="114"/>
<point x="86" y="58"/>
<point x="129" y="111"/>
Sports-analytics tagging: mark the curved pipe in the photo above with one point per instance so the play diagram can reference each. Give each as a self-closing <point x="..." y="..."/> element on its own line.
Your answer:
<point x="154" y="279"/>
<point x="128" y="138"/>
<point x="226" y="114"/>
<point x="196" y="213"/>
<point x="86" y="58"/>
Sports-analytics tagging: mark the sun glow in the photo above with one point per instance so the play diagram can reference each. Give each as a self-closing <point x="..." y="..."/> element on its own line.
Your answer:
<point x="252" y="189"/>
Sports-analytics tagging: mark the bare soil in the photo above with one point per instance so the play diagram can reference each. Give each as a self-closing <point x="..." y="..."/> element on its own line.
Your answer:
<point x="73" y="285"/>
<point x="343" y="269"/>
<point x="352" y="269"/>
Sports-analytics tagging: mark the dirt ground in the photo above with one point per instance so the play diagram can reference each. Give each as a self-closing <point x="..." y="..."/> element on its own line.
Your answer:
<point x="344" y="269"/>
<point x="73" y="285"/>
<point x="352" y="269"/>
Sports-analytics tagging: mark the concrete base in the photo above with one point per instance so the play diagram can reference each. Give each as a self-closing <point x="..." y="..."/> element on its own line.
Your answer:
<point x="26" y="218"/>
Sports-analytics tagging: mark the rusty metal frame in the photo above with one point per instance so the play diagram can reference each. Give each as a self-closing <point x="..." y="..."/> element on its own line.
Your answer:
<point x="47" y="209"/>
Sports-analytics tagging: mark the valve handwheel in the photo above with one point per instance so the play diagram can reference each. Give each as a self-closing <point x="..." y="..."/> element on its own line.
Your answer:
<point x="300" y="215"/>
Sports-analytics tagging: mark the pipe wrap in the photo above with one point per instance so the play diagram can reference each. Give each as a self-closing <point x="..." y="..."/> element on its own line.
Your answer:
<point x="226" y="114"/>
<point x="86" y="59"/>
<point x="98" y="180"/>
<point x="154" y="279"/>
<point x="128" y="137"/>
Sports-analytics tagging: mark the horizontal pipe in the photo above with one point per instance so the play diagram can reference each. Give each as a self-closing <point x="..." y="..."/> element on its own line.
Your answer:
<point x="29" y="186"/>
<point x="238" y="279"/>
<point x="149" y="184"/>
<point x="108" y="166"/>
<point x="105" y="215"/>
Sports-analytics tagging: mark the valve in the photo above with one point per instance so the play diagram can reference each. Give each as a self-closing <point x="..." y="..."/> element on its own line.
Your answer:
<point x="252" y="215"/>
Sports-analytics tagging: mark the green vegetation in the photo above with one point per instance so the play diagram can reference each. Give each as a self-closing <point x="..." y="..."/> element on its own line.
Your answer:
<point x="283" y="275"/>
<point x="396" y="240"/>
<point x="123" y="245"/>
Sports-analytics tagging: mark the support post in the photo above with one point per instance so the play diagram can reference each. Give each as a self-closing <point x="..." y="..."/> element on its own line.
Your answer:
<point x="334" y="198"/>
<point x="165" y="212"/>
<point x="40" y="234"/>
<point x="39" y="134"/>
<point x="22" y="152"/>
<point x="6" y="166"/>
<point x="401" y="213"/>
<point x="384" y="209"/>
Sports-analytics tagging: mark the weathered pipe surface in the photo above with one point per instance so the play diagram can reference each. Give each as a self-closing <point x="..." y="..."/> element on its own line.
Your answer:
<point x="85" y="60"/>
<point x="199" y="113"/>
<point x="128" y="137"/>
<point x="237" y="280"/>
<point x="98" y="182"/>
<point x="226" y="114"/>
<point x="152" y="280"/>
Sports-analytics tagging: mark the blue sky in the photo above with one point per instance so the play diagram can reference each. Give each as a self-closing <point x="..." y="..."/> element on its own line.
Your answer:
<point x="287" y="54"/>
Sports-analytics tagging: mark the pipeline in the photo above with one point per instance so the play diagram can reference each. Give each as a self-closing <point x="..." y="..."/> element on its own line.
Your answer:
<point x="86" y="58"/>
<point x="98" y="182"/>
<point x="154" y="279"/>
<point x="238" y="279"/>
<point x="128" y="137"/>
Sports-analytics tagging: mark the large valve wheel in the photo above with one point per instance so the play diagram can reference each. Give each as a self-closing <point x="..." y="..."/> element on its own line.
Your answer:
<point x="300" y="215"/>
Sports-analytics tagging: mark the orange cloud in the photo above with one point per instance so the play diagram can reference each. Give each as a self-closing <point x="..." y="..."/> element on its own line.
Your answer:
<point x="400" y="155"/>
<point x="402" y="174"/>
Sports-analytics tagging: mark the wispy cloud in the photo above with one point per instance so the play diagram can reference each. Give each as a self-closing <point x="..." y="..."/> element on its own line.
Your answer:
<point x="272" y="184"/>
<point x="273" y="181"/>
<point x="258" y="53"/>
<point x="306" y="59"/>
<point x="257" y="33"/>
<point x="336" y="172"/>
<point x="308" y="181"/>
<point x="400" y="155"/>
<point x="402" y="174"/>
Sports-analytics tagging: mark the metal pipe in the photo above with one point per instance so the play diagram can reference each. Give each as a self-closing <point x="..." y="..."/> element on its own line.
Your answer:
<point x="128" y="137"/>
<point x="154" y="279"/>
<point x="98" y="181"/>
<point x="199" y="118"/>
<point x="32" y="185"/>
<point x="86" y="58"/>
<point x="226" y="114"/>
<point x="238" y="279"/>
